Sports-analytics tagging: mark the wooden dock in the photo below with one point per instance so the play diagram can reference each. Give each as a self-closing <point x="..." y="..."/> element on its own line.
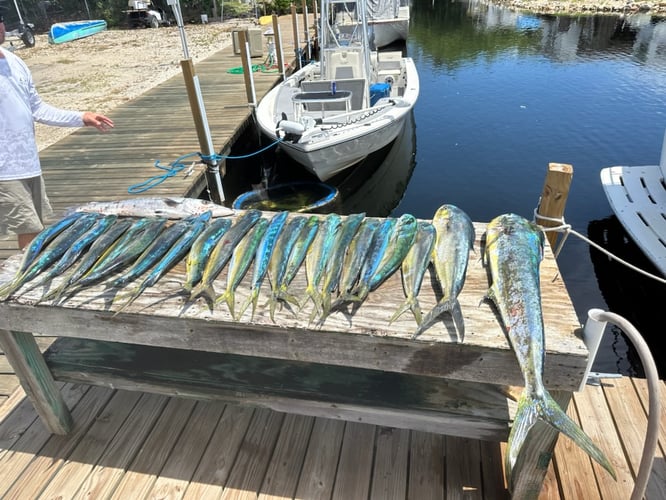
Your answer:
<point x="129" y="444"/>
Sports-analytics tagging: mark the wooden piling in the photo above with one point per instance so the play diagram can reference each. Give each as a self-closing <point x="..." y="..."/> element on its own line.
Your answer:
<point x="554" y="197"/>
<point x="247" y="67"/>
<point x="278" y="44"/>
<point x="294" y="27"/>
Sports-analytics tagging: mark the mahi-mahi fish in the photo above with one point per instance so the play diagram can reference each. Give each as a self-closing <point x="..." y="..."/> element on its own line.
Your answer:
<point x="454" y="240"/>
<point x="221" y="254"/>
<point x="53" y="251"/>
<point x="262" y="259"/>
<point x="413" y="268"/>
<point x="201" y="250"/>
<point x="240" y="262"/>
<point x="40" y="241"/>
<point x="98" y="247"/>
<point x="75" y="251"/>
<point x="167" y="207"/>
<point x="191" y="228"/>
<point x="513" y="252"/>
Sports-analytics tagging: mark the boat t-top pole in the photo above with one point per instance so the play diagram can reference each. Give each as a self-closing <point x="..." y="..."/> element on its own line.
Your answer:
<point x="213" y="178"/>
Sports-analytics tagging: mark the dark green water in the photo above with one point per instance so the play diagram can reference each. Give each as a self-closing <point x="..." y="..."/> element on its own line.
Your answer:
<point x="502" y="96"/>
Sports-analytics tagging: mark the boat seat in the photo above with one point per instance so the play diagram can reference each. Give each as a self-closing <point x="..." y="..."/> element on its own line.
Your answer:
<point x="389" y="64"/>
<point x="356" y="86"/>
<point x="637" y="195"/>
<point x="343" y="64"/>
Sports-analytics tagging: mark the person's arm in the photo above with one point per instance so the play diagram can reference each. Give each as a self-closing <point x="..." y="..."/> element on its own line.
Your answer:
<point x="50" y="115"/>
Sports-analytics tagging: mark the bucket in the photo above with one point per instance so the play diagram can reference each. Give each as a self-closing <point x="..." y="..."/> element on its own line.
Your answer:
<point x="204" y="18"/>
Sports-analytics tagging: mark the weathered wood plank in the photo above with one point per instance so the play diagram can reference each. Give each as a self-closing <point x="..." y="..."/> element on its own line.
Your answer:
<point x="212" y="473"/>
<point x="25" y="475"/>
<point x="355" y="465"/>
<point x="78" y="465"/>
<point x="251" y="462"/>
<point x="186" y="454"/>
<point x="631" y="420"/>
<point x="147" y="465"/>
<point x="389" y="475"/>
<point x="318" y="473"/>
<point x="336" y="392"/>
<point x="463" y="474"/>
<point x="426" y="466"/>
<point x="26" y="358"/>
<point x="111" y="466"/>
<point x="594" y="414"/>
<point x="287" y="459"/>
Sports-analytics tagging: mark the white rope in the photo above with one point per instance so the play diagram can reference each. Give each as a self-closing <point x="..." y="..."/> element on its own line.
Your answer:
<point x="566" y="229"/>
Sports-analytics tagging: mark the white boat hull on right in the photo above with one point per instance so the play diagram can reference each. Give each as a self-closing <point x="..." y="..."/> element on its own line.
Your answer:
<point x="637" y="195"/>
<point x="386" y="31"/>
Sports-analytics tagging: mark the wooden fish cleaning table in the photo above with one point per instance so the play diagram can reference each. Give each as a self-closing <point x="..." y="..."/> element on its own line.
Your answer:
<point x="354" y="367"/>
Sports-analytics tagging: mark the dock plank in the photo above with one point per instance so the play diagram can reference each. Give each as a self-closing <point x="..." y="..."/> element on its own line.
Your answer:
<point x="318" y="474"/>
<point x="186" y="454"/>
<point x="355" y="464"/>
<point x="249" y="469"/>
<point x="149" y="462"/>
<point x="27" y="473"/>
<point x="213" y="470"/>
<point x="389" y="475"/>
<point x="287" y="458"/>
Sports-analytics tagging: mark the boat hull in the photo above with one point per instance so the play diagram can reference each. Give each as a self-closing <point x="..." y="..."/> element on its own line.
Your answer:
<point x="69" y="31"/>
<point x="327" y="150"/>
<point x="388" y="30"/>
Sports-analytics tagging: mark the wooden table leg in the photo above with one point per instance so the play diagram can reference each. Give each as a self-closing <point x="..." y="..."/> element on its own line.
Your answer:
<point x="28" y="363"/>
<point x="534" y="458"/>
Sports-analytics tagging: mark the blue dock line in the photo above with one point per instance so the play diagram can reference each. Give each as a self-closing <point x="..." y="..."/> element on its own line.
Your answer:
<point x="177" y="165"/>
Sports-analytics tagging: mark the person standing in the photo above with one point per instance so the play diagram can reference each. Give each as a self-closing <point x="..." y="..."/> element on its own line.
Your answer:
<point x="23" y="202"/>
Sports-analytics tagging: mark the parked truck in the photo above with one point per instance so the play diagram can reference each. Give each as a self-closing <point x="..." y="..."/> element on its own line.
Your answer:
<point x="142" y="14"/>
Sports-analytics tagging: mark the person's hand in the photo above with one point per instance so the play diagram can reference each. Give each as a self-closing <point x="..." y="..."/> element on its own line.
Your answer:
<point x="100" y="122"/>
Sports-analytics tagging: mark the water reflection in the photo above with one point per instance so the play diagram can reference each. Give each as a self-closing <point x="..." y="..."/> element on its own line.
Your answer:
<point x="635" y="297"/>
<point x="455" y="32"/>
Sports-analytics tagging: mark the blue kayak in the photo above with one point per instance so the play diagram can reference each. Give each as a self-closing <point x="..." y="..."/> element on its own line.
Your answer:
<point x="73" y="30"/>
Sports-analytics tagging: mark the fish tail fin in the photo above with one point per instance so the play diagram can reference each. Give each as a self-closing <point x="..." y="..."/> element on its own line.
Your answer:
<point x="203" y="290"/>
<point x="547" y="410"/>
<point x="8" y="289"/>
<point x="325" y="305"/>
<point x="288" y="297"/>
<point x="555" y="416"/>
<point x="444" y="305"/>
<point x="456" y="314"/>
<point x="252" y="299"/>
<point x="128" y="297"/>
<point x="405" y="306"/>
<point x="229" y="297"/>
<point x="272" y="302"/>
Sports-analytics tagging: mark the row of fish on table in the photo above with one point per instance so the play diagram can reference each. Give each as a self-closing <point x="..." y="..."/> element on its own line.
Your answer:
<point x="345" y="258"/>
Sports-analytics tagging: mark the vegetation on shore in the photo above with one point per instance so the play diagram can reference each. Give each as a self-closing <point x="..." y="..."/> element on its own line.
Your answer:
<point x="657" y="8"/>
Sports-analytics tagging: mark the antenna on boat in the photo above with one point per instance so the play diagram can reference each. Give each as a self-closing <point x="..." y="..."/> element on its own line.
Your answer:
<point x="213" y="178"/>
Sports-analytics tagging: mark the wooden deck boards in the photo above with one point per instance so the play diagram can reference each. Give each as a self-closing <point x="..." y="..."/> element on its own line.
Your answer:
<point x="136" y="445"/>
